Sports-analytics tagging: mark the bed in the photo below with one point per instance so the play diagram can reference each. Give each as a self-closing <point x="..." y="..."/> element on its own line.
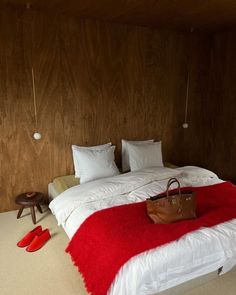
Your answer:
<point x="200" y="254"/>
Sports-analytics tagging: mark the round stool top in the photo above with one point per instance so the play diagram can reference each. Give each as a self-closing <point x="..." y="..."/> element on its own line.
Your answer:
<point x="23" y="199"/>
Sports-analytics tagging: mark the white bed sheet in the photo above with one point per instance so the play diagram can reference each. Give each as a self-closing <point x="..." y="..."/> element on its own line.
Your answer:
<point x="193" y="255"/>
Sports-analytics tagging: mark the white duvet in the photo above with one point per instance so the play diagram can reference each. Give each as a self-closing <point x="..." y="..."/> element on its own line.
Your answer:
<point x="195" y="254"/>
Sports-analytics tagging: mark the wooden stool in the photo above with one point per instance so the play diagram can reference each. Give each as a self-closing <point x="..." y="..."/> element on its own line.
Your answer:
<point x="29" y="202"/>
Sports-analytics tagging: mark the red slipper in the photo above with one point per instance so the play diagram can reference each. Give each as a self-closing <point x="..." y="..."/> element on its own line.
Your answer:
<point x="28" y="238"/>
<point x="39" y="241"/>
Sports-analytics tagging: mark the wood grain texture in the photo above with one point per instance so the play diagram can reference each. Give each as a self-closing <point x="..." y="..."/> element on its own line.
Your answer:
<point x="161" y="13"/>
<point x="210" y="140"/>
<point x="95" y="82"/>
<point x="219" y="113"/>
<point x="98" y="82"/>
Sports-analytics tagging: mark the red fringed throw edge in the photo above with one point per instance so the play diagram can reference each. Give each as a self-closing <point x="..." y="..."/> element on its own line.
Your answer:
<point x="109" y="238"/>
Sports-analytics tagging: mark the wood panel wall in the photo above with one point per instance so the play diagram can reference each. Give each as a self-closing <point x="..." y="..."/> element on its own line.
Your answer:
<point x="95" y="82"/>
<point x="210" y="142"/>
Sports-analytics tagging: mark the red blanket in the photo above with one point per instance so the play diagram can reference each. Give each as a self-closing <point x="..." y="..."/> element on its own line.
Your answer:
<point x="110" y="237"/>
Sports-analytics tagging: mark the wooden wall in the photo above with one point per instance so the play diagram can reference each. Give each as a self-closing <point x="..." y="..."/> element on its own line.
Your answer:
<point x="210" y="142"/>
<point x="95" y="82"/>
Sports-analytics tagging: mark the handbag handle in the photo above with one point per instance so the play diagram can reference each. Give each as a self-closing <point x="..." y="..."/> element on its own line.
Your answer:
<point x="170" y="182"/>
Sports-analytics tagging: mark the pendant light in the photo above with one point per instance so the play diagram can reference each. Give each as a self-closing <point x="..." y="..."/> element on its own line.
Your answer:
<point x="36" y="135"/>
<point x="185" y="124"/>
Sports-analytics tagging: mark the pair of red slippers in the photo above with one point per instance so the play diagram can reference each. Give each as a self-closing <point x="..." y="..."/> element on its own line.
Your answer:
<point x="35" y="239"/>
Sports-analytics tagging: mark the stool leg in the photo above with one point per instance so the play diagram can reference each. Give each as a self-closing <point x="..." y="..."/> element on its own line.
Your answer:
<point x="33" y="214"/>
<point x="39" y="208"/>
<point x="20" y="212"/>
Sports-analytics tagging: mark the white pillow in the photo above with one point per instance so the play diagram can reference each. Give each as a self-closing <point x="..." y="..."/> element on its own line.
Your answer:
<point x="96" y="164"/>
<point x="145" y="155"/>
<point x="76" y="148"/>
<point x="125" y="153"/>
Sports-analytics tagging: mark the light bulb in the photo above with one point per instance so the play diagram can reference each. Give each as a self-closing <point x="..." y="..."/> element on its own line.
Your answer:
<point x="37" y="135"/>
<point x="185" y="125"/>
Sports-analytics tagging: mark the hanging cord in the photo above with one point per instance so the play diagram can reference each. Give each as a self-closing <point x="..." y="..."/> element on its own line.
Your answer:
<point x="186" y="101"/>
<point x="34" y="96"/>
<point x="28" y="7"/>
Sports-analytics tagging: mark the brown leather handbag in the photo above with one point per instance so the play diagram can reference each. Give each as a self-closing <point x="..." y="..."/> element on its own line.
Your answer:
<point x="170" y="207"/>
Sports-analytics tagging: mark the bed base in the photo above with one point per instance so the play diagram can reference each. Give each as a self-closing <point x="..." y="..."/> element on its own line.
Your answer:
<point x="192" y="284"/>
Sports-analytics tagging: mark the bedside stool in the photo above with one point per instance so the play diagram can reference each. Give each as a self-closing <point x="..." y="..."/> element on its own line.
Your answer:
<point x="30" y="202"/>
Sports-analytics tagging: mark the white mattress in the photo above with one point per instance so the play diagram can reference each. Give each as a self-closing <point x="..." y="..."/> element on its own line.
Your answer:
<point x="60" y="184"/>
<point x="52" y="191"/>
<point x="193" y="255"/>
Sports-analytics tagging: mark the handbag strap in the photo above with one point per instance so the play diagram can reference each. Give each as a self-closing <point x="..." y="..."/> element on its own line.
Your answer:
<point x="170" y="182"/>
